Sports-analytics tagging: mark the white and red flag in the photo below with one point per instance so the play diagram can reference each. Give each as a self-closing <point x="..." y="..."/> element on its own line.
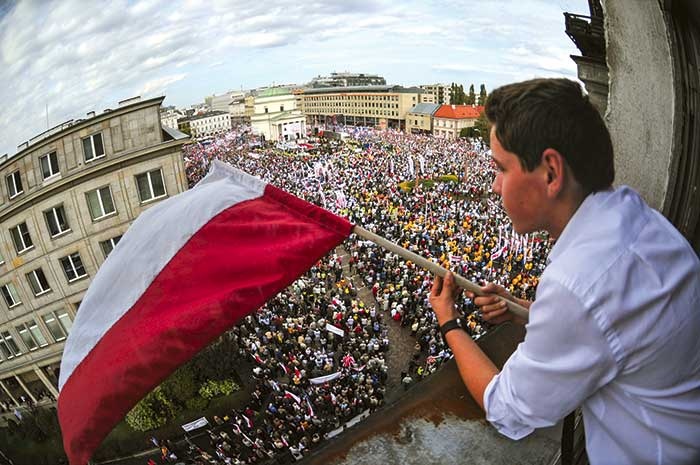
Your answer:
<point x="186" y="271"/>
<point x="348" y="361"/>
<point x="291" y="395"/>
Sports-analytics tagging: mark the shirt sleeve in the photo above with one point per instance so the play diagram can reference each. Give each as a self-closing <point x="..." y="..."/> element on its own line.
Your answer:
<point x="564" y="358"/>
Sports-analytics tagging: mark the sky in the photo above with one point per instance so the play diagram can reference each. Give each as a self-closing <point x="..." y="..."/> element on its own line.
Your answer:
<point x="70" y="57"/>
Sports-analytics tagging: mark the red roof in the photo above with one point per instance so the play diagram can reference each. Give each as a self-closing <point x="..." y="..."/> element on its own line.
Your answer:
<point x="459" y="111"/>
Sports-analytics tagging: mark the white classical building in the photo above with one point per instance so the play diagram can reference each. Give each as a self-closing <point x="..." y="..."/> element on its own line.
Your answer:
<point x="207" y="124"/>
<point x="169" y="117"/>
<point x="276" y="116"/>
<point x="237" y="109"/>
<point x="222" y="102"/>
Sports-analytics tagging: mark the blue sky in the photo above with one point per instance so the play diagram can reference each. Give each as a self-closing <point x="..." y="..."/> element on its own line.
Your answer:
<point x="78" y="56"/>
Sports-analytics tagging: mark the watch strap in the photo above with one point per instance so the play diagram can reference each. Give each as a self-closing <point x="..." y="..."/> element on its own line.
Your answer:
<point x="457" y="323"/>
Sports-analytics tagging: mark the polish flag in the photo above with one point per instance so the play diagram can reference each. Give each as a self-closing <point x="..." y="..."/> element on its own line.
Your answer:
<point x="348" y="361"/>
<point x="291" y="395"/>
<point x="187" y="270"/>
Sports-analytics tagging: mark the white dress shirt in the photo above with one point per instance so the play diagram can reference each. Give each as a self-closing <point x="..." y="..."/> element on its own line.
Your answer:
<point x="615" y="328"/>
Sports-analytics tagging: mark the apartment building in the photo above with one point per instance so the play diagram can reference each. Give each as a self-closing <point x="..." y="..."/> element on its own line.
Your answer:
<point x="66" y="199"/>
<point x="377" y="106"/>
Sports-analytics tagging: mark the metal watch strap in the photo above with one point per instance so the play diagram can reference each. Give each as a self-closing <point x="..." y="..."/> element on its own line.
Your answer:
<point x="457" y="323"/>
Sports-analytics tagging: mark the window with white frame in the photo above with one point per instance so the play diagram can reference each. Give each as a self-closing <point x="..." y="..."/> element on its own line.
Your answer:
<point x="9" y="293"/>
<point x="93" y="147"/>
<point x="31" y="335"/>
<point x="150" y="185"/>
<point x="56" y="221"/>
<point x="21" y="238"/>
<point x="49" y="165"/>
<point x="9" y="346"/>
<point x="38" y="282"/>
<point x="14" y="184"/>
<point x="73" y="267"/>
<point x="100" y="202"/>
<point x="109" y="245"/>
<point x="58" y="323"/>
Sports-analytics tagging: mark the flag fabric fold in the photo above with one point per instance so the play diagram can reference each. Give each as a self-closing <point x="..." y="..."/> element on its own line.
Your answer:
<point x="186" y="271"/>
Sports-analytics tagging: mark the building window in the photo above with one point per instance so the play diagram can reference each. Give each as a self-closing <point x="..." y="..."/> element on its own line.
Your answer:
<point x="100" y="203"/>
<point x="93" y="147"/>
<point x="109" y="245"/>
<point x="59" y="324"/>
<point x="8" y="345"/>
<point x="56" y="221"/>
<point x="150" y="185"/>
<point x="32" y="336"/>
<point x="14" y="184"/>
<point x="73" y="267"/>
<point x="38" y="283"/>
<point x="9" y="293"/>
<point x="21" y="238"/>
<point x="49" y="165"/>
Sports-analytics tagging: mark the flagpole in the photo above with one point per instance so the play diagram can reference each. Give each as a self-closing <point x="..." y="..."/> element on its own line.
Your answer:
<point x="464" y="283"/>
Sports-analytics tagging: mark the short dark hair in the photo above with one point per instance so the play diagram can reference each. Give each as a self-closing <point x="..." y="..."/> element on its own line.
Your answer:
<point x="534" y="115"/>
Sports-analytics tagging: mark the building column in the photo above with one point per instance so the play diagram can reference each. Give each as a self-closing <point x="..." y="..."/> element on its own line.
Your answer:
<point x="44" y="379"/>
<point x="7" y="391"/>
<point x="24" y="386"/>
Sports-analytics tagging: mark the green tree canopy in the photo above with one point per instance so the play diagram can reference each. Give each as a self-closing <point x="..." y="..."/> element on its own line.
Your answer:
<point x="482" y="95"/>
<point x="471" y="99"/>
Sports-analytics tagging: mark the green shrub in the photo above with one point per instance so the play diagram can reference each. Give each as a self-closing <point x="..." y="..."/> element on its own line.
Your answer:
<point x="181" y="385"/>
<point x="196" y="403"/>
<point x="408" y="186"/>
<point x="212" y="388"/>
<point x="447" y="178"/>
<point x="152" y="412"/>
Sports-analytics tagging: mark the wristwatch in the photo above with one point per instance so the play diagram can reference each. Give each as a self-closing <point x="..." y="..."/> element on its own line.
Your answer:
<point x="457" y="323"/>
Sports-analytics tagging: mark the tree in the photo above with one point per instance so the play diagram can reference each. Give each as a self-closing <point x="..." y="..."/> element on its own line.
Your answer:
<point x="181" y="385"/>
<point x="219" y="361"/>
<point x="482" y="95"/>
<point x="153" y="411"/>
<point x="457" y="96"/>
<point x="471" y="100"/>
<point x="481" y="127"/>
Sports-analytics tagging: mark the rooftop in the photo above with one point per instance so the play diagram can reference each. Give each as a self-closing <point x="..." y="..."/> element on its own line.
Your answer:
<point x="203" y="115"/>
<point x="424" y="109"/>
<point x="60" y="130"/>
<point x="274" y="92"/>
<point x="459" y="111"/>
<point x="373" y="89"/>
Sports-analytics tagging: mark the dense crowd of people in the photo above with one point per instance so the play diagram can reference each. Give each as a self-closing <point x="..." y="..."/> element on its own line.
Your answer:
<point x="318" y="349"/>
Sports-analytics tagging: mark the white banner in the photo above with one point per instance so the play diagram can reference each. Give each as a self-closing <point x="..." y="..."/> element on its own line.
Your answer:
<point x="334" y="329"/>
<point x="325" y="379"/>
<point x="352" y="422"/>
<point x="357" y="419"/>
<point x="199" y="423"/>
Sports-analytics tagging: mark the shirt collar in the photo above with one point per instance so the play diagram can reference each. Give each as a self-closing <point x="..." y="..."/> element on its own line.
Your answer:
<point x="578" y="222"/>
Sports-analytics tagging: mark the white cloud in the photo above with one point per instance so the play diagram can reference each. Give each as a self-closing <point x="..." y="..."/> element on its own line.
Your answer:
<point x="160" y="85"/>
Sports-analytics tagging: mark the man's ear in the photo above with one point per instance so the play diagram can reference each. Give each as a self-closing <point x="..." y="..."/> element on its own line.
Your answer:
<point x="554" y="167"/>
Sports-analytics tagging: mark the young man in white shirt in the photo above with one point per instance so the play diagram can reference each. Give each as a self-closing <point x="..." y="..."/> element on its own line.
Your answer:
<point x="615" y="326"/>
